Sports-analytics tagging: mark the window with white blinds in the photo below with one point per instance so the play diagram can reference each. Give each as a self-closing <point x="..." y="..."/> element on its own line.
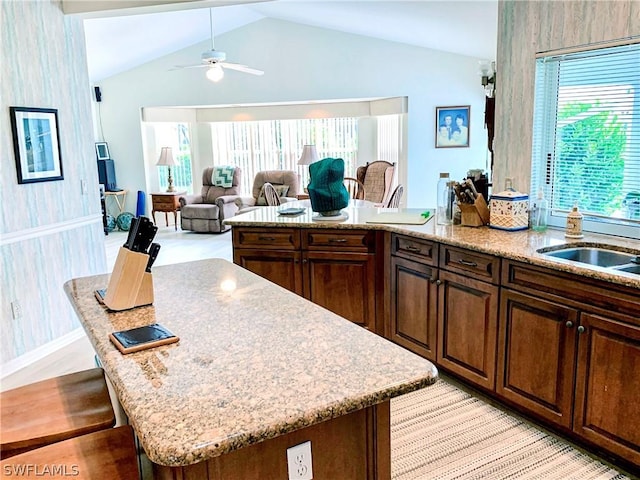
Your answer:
<point x="586" y="137"/>
<point x="277" y="144"/>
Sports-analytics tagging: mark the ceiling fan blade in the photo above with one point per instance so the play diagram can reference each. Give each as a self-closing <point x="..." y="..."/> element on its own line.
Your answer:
<point x="241" y="68"/>
<point x="180" y="67"/>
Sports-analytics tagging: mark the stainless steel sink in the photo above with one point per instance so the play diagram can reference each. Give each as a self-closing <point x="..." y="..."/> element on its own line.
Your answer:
<point x="599" y="255"/>
<point x="593" y="256"/>
<point x="629" y="268"/>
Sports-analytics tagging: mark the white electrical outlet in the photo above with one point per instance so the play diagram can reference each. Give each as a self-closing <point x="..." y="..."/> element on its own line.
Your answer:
<point x="299" y="462"/>
<point x="16" y="310"/>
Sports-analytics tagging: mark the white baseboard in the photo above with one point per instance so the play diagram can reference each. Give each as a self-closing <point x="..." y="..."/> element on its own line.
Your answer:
<point x="28" y="359"/>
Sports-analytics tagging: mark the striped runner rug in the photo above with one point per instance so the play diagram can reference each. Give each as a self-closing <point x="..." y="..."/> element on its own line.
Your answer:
<point x="442" y="432"/>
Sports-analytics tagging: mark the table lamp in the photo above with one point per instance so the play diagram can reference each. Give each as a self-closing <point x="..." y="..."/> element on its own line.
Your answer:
<point x="309" y="156"/>
<point x="166" y="160"/>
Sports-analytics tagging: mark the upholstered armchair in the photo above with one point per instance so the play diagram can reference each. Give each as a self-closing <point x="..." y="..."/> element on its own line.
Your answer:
<point x="205" y="212"/>
<point x="377" y="178"/>
<point x="285" y="182"/>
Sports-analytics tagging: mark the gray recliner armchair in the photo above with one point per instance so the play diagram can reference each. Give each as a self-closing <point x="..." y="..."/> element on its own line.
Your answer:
<point x="285" y="182"/>
<point x="205" y="212"/>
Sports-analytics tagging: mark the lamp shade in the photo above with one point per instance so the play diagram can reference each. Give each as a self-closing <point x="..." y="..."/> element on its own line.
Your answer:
<point x="309" y="155"/>
<point x="166" y="158"/>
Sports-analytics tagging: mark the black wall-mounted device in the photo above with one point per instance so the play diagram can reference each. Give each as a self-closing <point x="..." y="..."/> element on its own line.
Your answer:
<point x="98" y="93"/>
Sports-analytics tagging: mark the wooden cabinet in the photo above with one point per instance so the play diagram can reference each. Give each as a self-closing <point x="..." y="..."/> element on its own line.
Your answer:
<point x="414" y="296"/>
<point x="167" y="202"/>
<point x="446" y="314"/>
<point x="336" y="269"/>
<point x="342" y="282"/>
<point x="569" y="352"/>
<point x="607" y="403"/>
<point x="536" y="355"/>
<point x="467" y="328"/>
<point x="468" y="314"/>
<point x="272" y="254"/>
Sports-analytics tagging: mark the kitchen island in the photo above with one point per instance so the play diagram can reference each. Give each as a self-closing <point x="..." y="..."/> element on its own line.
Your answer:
<point x="257" y="370"/>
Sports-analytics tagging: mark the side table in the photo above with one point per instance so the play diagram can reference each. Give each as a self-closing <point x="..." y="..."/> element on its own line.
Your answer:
<point x="166" y="202"/>
<point x="120" y="202"/>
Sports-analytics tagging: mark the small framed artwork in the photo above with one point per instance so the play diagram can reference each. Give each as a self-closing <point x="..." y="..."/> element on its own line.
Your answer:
<point x="36" y="144"/>
<point x="452" y="126"/>
<point x="102" y="151"/>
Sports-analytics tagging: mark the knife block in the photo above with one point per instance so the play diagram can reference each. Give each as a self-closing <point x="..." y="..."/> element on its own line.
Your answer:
<point x="129" y="286"/>
<point x="474" y="214"/>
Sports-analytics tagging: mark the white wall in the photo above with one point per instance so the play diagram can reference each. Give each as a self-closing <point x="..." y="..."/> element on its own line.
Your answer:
<point x="305" y="63"/>
<point x="49" y="231"/>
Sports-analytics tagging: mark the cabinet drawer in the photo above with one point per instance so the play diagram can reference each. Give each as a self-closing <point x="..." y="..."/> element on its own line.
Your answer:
<point x="343" y="240"/>
<point x="170" y="204"/>
<point x="423" y="251"/>
<point x="272" y="238"/>
<point x="479" y="265"/>
<point x="573" y="290"/>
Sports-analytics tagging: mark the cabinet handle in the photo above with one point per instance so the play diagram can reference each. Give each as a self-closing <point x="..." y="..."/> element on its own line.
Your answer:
<point x="467" y="263"/>
<point x="438" y="282"/>
<point x="266" y="239"/>
<point x="305" y="260"/>
<point x="337" y="240"/>
<point x="569" y="324"/>
<point x="581" y="329"/>
<point x="411" y="248"/>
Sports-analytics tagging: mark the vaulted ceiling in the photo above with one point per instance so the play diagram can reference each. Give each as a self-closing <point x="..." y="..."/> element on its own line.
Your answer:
<point x="127" y="39"/>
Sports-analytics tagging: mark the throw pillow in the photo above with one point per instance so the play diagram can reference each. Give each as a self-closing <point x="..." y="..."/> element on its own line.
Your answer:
<point x="223" y="176"/>
<point x="281" y="190"/>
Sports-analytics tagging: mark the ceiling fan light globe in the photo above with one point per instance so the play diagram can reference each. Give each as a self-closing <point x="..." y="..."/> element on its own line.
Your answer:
<point x="215" y="73"/>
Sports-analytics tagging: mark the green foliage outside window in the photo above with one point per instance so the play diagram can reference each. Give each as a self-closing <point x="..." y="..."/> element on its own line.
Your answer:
<point x="590" y="159"/>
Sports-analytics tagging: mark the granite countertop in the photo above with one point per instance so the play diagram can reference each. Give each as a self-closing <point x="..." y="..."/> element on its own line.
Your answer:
<point x="520" y="245"/>
<point x="254" y="361"/>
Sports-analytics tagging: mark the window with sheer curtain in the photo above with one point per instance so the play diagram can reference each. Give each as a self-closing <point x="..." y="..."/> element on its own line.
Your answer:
<point x="176" y="136"/>
<point x="586" y="138"/>
<point x="277" y="144"/>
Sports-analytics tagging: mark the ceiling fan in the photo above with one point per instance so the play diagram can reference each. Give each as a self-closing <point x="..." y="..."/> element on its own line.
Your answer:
<point x="214" y="61"/>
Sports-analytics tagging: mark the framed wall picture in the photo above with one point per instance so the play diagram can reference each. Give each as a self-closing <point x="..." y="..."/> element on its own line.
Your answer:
<point x="36" y="144"/>
<point x="452" y="126"/>
<point x="102" y="151"/>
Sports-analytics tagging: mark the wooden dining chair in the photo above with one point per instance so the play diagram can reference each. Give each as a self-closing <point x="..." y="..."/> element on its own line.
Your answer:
<point x="55" y="409"/>
<point x="105" y="455"/>
<point x="355" y="188"/>
<point x="396" y="196"/>
<point x="270" y="194"/>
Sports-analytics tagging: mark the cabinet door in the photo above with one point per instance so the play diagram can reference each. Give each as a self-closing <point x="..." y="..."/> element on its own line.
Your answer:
<point x="413" y="306"/>
<point x="536" y="355"/>
<point x="282" y="268"/>
<point x="467" y="328"/>
<point x="607" y="405"/>
<point x="344" y="283"/>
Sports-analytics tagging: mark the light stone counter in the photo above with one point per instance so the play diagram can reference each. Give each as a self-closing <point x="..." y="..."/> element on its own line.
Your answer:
<point x="254" y="361"/>
<point x="521" y="245"/>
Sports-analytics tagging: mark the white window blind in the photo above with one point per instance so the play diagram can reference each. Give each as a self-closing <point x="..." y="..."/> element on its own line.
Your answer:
<point x="277" y="144"/>
<point x="586" y="139"/>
